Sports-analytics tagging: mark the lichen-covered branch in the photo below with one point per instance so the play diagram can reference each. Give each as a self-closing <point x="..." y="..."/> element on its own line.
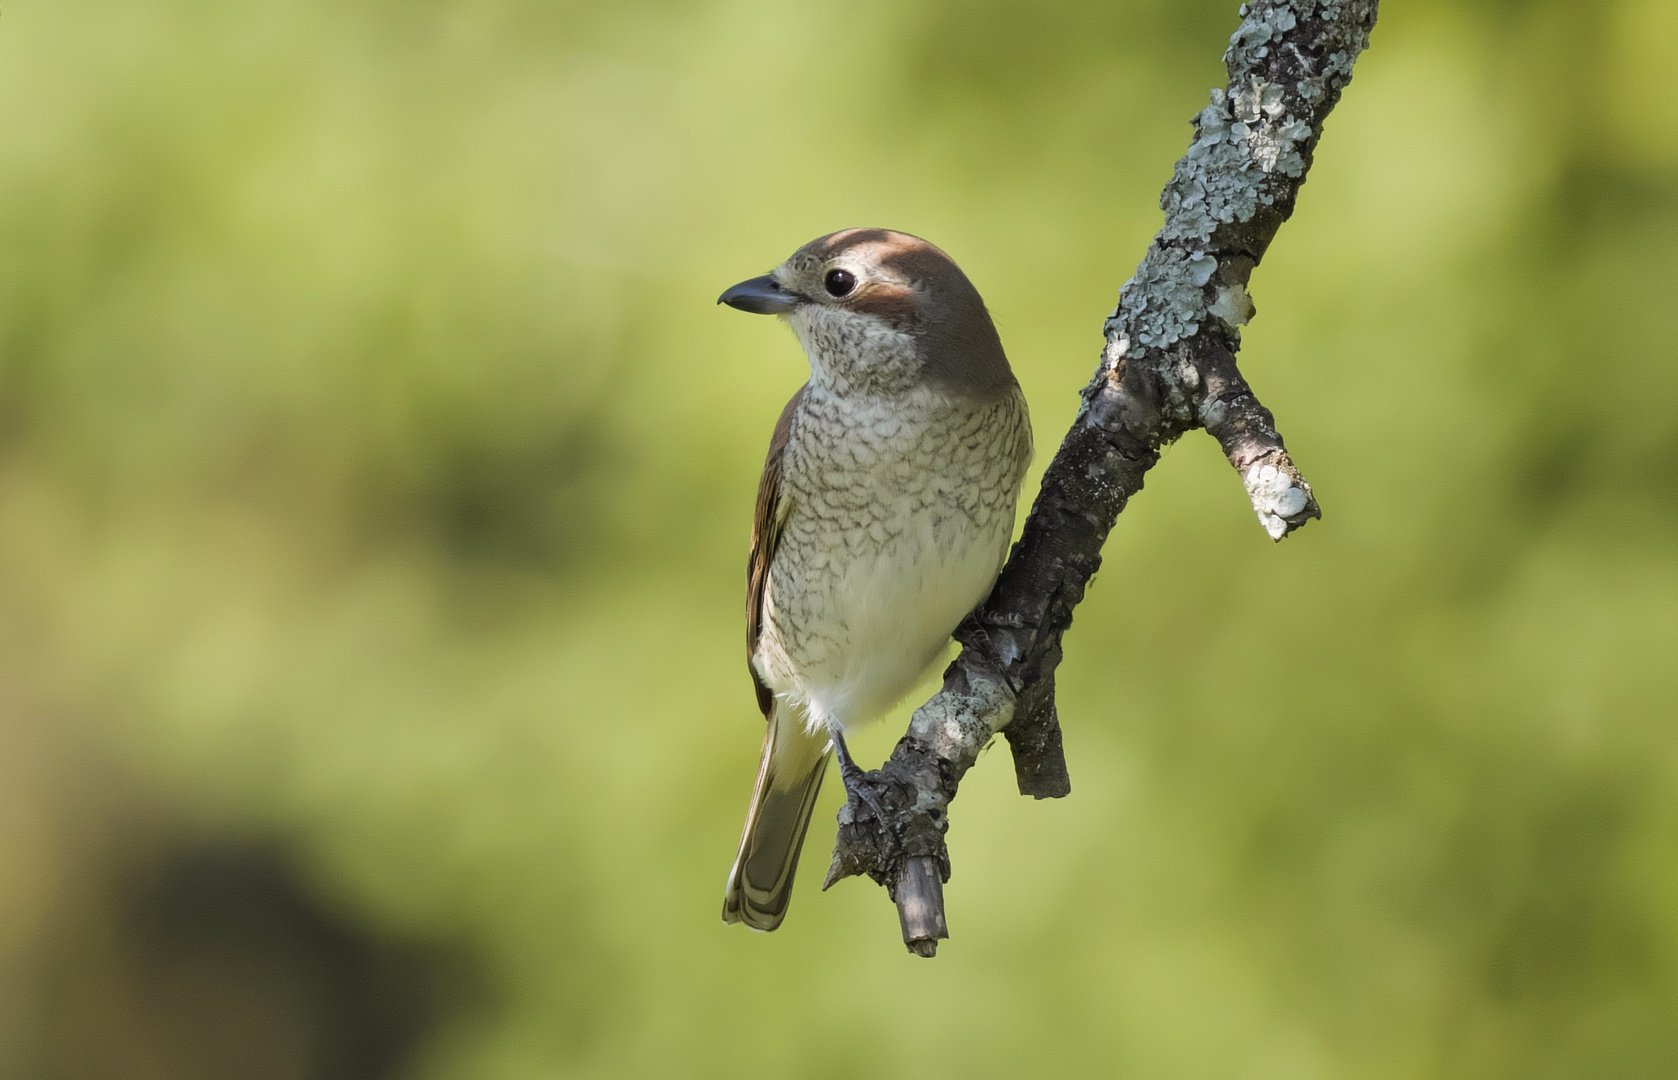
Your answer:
<point x="1168" y="367"/>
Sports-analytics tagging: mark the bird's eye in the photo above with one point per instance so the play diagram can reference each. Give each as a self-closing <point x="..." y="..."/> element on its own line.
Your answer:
<point x="839" y="282"/>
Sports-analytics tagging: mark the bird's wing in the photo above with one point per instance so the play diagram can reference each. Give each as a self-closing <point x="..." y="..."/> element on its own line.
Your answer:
<point x="766" y="537"/>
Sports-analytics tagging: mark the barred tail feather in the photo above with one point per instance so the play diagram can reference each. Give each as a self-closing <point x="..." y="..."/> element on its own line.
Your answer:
<point x="789" y="777"/>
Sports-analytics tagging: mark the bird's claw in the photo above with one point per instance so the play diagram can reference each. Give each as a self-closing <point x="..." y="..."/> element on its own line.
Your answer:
<point x="857" y="787"/>
<point x="860" y="790"/>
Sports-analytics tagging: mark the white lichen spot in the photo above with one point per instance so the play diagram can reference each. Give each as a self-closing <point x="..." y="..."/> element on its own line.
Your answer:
<point x="1275" y="498"/>
<point x="1187" y="376"/>
<point x="1233" y="305"/>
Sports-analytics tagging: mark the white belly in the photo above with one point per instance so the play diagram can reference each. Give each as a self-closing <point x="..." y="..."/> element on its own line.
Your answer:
<point x="888" y="617"/>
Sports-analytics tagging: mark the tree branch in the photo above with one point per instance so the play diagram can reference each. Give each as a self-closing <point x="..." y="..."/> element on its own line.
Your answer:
<point x="1168" y="367"/>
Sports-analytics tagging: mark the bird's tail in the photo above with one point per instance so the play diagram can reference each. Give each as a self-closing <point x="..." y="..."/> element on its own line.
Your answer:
<point x="789" y="777"/>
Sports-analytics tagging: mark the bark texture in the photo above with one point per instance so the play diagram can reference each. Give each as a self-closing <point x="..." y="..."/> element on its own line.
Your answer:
<point x="1168" y="367"/>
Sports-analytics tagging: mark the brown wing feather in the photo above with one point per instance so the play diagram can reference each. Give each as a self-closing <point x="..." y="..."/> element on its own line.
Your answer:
<point x="766" y="537"/>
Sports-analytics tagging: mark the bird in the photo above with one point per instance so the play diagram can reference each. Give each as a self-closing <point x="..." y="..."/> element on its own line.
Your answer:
<point x="884" y="516"/>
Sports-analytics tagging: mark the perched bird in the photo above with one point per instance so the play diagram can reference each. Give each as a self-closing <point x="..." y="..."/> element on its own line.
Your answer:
<point x="883" y="516"/>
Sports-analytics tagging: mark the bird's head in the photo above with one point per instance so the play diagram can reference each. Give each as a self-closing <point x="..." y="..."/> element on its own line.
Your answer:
<point x="880" y="312"/>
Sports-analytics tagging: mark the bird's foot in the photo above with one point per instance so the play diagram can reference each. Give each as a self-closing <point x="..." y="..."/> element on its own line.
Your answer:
<point x="856" y="782"/>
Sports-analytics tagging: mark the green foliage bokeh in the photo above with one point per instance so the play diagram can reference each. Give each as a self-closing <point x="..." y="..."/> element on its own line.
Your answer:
<point x="376" y="469"/>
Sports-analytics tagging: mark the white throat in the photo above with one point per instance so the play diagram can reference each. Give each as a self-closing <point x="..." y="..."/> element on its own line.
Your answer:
<point x="856" y="354"/>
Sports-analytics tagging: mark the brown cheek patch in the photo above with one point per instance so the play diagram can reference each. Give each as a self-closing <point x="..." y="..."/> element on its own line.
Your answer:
<point x="958" y="342"/>
<point x="893" y="304"/>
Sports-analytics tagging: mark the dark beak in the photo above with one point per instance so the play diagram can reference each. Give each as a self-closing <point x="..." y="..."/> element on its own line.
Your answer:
<point x="761" y="296"/>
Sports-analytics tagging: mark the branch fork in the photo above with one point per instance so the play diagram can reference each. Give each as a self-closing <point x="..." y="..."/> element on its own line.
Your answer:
<point x="1168" y="367"/>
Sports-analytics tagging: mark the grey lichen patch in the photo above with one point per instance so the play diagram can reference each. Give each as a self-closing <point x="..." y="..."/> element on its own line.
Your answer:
<point x="1339" y="31"/>
<point x="956" y="726"/>
<point x="1217" y="181"/>
<point x="1262" y="24"/>
<point x="1275" y="498"/>
<point x="1287" y="61"/>
<point x="1165" y="301"/>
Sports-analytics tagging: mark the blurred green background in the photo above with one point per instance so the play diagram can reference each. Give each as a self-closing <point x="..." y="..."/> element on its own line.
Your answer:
<point x="375" y="478"/>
